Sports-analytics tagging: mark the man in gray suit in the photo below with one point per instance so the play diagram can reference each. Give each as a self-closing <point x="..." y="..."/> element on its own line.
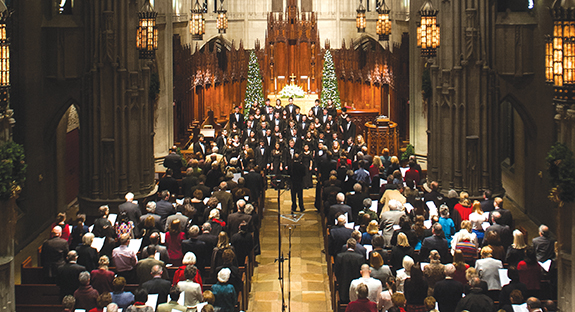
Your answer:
<point x="390" y="218"/>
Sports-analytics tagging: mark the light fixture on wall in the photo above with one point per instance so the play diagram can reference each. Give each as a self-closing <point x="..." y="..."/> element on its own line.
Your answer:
<point x="4" y="57"/>
<point x="222" y="21"/>
<point x="197" y="22"/>
<point x="360" y="21"/>
<point x="383" y="26"/>
<point x="428" y="30"/>
<point x="147" y="34"/>
<point x="560" y="52"/>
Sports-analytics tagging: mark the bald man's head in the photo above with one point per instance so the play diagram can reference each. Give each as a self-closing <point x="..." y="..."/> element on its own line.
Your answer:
<point x="56" y="231"/>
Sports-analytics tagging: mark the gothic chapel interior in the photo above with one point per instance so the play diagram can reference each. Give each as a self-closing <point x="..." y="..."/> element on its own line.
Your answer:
<point x="96" y="120"/>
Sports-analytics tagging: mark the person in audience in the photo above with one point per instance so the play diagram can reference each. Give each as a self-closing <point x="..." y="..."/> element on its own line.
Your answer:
<point x="384" y="298"/>
<point x="390" y="218"/>
<point x="120" y="297"/>
<point x="432" y="193"/>
<point x="145" y="229"/>
<point x="514" y="285"/>
<point x="534" y="304"/>
<point x="392" y="192"/>
<point x="86" y="296"/>
<point x="151" y="212"/>
<point x="68" y="303"/>
<point x="516" y="251"/>
<point x="515" y="302"/>
<point x="173" y="303"/>
<point x="338" y="236"/>
<point x="144" y="267"/>
<point x="340" y="208"/>
<point x="421" y="232"/>
<point x="61" y="222"/>
<point x="464" y="206"/>
<point x="102" y="302"/>
<point x="155" y="243"/>
<point x="530" y="272"/>
<point x="164" y="208"/>
<point x="446" y="223"/>
<point x="101" y="279"/>
<point x="226" y="199"/>
<point x="87" y="255"/>
<point x="435" y="242"/>
<point x="504" y="231"/>
<point x="460" y="267"/>
<point x="131" y="208"/>
<point x="415" y="289"/>
<point x="157" y="285"/>
<point x="488" y="269"/>
<point x="192" y="290"/>
<point x="216" y="223"/>
<point x="399" y="251"/>
<point x="374" y="285"/>
<point x="466" y="248"/>
<point x="506" y="216"/>
<point x="469" y="275"/>
<point x="544" y="245"/>
<point x="208" y="237"/>
<point x="347" y="268"/>
<point x="125" y="259"/>
<point x="54" y="250"/>
<point x="236" y="218"/>
<point x="379" y="270"/>
<point x="448" y="292"/>
<point x="218" y="251"/>
<point x="362" y="302"/>
<point x="179" y="216"/>
<point x="477" y="217"/>
<point x="78" y="231"/>
<point x="168" y="182"/>
<point x="140" y="297"/>
<point x="405" y="227"/>
<point x="174" y="238"/>
<point x="189" y="259"/>
<point x="475" y="300"/>
<point x="243" y="243"/>
<point x="434" y="271"/>
<point x="112" y="307"/>
<point x="465" y="228"/>
<point x="228" y="261"/>
<point x="404" y="274"/>
<point x="67" y="278"/>
<point x="225" y="293"/>
<point x="206" y="191"/>
<point x="494" y="242"/>
<point x="124" y="225"/>
<point x="102" y="226"/>
<point x="197" y="247"/>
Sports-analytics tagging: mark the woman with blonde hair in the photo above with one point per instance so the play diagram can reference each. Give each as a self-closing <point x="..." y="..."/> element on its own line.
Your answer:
<point x="360" y="142"/>
<point x="218" y="252"/>
<point x="465" y="228"/>
<point x="374" y="168"/>
<point x="405" y="273"/>
<point x="460" y="267"/>
<point x="516" y="253"/>
<point x="372" y="229"/>
<point x="378" y="269"/>
<point x="464" y="206"/>
<point x="477" y="217"/>
<point x="101" y="278"/>
<point x="434" y="271"/>
<point x="394" y="165"/>
<point x="384" y="298"/>
<point x="400" y="250"/>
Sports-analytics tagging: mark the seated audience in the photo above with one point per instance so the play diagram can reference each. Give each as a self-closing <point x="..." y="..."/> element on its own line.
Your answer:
<point x="120" y="297"/>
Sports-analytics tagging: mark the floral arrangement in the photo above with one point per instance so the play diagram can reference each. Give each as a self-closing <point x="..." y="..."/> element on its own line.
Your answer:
<point x="292" y="91"/>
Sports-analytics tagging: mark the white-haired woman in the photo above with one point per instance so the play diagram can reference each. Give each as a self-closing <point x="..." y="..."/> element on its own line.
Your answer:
<point x="224" y="292"/>
<point x="404" y="274"/>
<point x="189" y="259"/>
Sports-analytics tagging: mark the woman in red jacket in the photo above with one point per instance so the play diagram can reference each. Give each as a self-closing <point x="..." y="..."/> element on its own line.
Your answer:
<point x="189" y="259"/>
<point x="174" y="238"/>
<point x="530" y="273"/>
<point x="464" y="206"/>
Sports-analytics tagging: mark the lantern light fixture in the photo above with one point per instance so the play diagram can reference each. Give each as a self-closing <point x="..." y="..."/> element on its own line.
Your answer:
<point x="383" y="26"/>
<point x="428" y="33"/>
<point x="560" y="51"/>
<point x="4" y="58"/>
<point x="197" y="22"/>
<point x="360" y="20"/>
<point x="222" y="20"/>
<point x="147" y="34"/>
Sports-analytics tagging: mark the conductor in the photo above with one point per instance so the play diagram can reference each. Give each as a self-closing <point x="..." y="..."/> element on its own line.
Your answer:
<point x="297" y="172"/>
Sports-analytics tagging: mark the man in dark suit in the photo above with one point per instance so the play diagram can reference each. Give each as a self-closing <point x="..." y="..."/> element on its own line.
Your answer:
<point x="200" y="146"/>
<point x="168" y="182"/>
<point x="290" y="108"/>
<point x="210" y="239"/>
<point x="297" y="172"/>
<point x="236" y="218"/>
<point x="437" y="242"/>
<point x="164" y="208"/>
<point x="261" y="155"/>
<point x="53" y="252"/>
<point x="506" y="216"/>
<point x="359" y="249"/>
<point x="339" y="208"/>
<point x="330" y="192"/>
<point x="505" y="233"/>
<point x="131" y="209"/>
<point x="317" y="110"/>
<point x="255" y="183"/>
<point x="448" y="291"/>
<point x="68" y="275"/>
<point x="355" y="200"/>
<point x="222" y="140"/>
<point x="158" y="285"/>
<point x="225" y="199"/>
<point x="487" y="202"/>
<point x="237" y="118"/>
<point x="174" y="161"/>
<point x="544" y="245"/>
<point x="347" y="268"/>
<point x="348" y="128"/>
<point x="198" y="247"/>
<point x="338" y="235"/>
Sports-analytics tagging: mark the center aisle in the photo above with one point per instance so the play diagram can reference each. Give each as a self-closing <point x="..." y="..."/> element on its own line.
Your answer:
<point x="309" y="280"/>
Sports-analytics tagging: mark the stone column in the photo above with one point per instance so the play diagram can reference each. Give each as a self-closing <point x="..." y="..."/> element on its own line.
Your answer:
<point x="117" y="114"/>
<point x="7" y="230"/>
<point x="463" y="122"/>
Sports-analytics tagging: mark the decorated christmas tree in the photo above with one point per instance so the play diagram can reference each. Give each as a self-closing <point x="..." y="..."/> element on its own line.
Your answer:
<point x="329" y="89"/>
<point x="254" y="89"/>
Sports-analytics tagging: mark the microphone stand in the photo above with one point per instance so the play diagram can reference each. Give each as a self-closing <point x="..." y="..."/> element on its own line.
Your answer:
<point x="280" y="259"/>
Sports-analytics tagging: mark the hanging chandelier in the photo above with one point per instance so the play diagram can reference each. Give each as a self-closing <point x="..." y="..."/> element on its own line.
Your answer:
<point x="360" y="21"/>
<point x="222" y="21"/>
<point x="383" y="26"/>
<point x="147" y="34"/>
<point x="428" y="30"/>
<point x="197" y="22"/>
